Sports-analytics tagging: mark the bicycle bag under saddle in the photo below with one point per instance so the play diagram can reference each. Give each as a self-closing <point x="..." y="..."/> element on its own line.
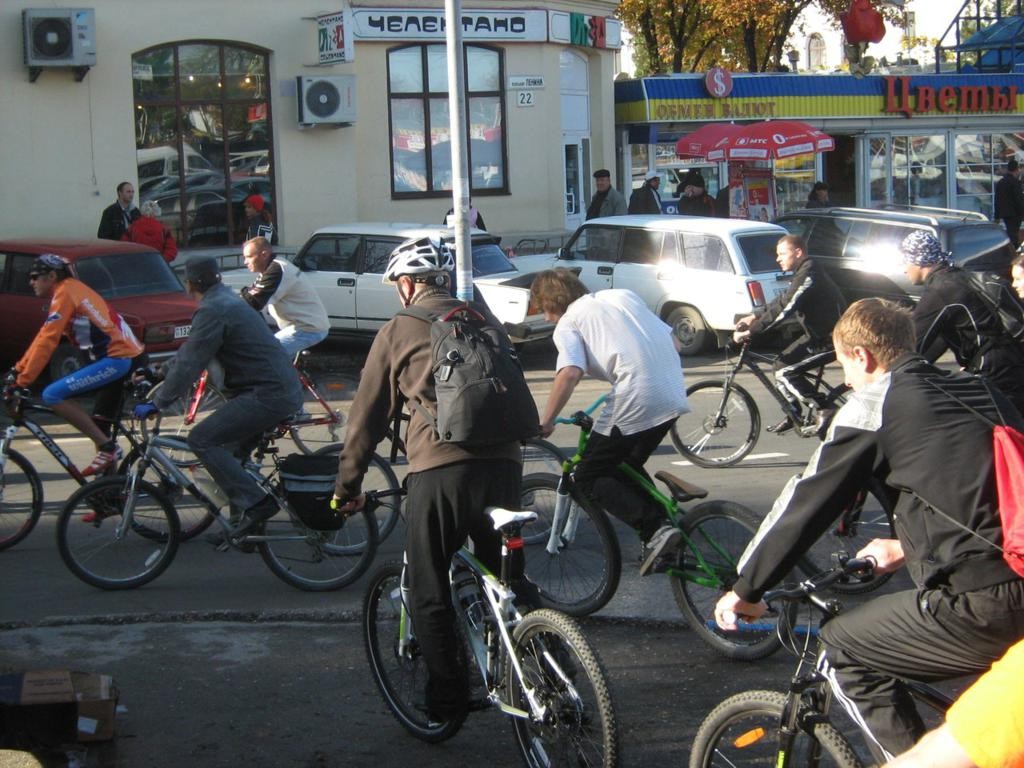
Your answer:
<point x="308" y="484"/>
<point x="482" y="394"/>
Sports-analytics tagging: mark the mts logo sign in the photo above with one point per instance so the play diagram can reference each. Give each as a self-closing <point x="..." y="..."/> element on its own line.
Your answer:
<point x="902" y="98"/>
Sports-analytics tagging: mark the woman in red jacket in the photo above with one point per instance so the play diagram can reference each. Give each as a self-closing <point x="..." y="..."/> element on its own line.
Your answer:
<point x="148" y="230"/>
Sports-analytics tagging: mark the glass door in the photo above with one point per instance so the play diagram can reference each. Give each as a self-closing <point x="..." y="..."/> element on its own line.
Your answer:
<point x="577" y="172"/>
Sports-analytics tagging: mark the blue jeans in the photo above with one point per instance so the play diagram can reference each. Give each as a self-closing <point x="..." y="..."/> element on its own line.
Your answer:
<point x="217" y="438"/>
<point x="294" y="341"/>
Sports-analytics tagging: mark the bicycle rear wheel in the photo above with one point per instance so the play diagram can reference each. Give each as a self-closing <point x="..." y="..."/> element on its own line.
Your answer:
<point x="318" y="561"/>
<point x="715" y="535"/>
<point x="584" y="574"/>
<point x="744" y="730"/>
<point x="21" y="499"/>
<point x="103" y="549"/>
<point x="379" y="477"/>
<point x="400" y="673"/>
<point x="722" y="426"/>
<point x="566" y="675"/>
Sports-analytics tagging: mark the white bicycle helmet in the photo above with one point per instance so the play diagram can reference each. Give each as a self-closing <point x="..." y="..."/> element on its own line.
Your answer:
<point x="419" y="257"/>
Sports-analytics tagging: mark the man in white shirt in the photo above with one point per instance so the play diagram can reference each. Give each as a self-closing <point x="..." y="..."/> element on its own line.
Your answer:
<point x="290" y="299"/>
<point x="613" y="336"/>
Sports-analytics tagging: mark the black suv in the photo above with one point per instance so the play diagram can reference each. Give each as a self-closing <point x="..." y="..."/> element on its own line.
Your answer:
<point x="860" y="247"/>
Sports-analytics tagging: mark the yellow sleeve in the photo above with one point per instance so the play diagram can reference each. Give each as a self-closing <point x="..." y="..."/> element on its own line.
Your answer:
<point x="47" y="339"/>
<point x="988" y="718"/>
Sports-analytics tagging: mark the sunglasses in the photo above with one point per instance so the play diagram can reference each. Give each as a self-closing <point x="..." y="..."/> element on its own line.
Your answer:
<point x="35" y="275"/>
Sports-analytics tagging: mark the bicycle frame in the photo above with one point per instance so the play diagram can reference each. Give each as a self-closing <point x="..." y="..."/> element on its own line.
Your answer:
<point x="566" y="516"/>
<point x="492" y="652"/>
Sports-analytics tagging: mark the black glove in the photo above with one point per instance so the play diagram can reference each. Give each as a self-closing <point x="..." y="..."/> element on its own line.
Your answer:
<point x="10" y="377"/>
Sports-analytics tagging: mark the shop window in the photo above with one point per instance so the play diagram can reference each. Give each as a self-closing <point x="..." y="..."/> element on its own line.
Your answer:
<point x="419" y="128"/>
<point x="203" y="137"/>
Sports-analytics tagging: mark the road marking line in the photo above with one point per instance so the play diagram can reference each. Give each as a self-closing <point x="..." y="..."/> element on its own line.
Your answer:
<point x="751" y="457"/>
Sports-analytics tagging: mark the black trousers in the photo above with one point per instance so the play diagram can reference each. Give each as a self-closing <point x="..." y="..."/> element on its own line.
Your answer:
<point x="1013" y="230"/>
<point x="792" y="365"/>
<point x="444" y="507"/>
<point x="599" y="477"/>
<point x="924" y="635"/>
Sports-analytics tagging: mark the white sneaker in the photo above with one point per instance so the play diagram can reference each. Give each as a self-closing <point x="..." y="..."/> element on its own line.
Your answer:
<point x="664" y="542"/>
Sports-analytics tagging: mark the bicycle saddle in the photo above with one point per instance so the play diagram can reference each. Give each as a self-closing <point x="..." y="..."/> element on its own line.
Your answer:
<point x="681" y="490"/>
<point x="503" y="517"/>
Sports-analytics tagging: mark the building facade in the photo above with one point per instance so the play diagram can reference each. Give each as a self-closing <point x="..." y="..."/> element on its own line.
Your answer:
<point x="329" y="117"/>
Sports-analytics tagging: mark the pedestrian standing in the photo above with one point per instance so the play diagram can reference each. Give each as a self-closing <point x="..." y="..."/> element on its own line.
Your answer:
<point x="607" y="201"/>
<point x="646" y="199"/>
<point x="117" y="217"/>
<point x="1010" y="201"/>
<point x="149" y="230"/>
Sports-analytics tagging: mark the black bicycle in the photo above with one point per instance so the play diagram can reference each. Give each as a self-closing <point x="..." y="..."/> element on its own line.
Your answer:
<point x="724" y="422"/>
<point x="786" y="730"/>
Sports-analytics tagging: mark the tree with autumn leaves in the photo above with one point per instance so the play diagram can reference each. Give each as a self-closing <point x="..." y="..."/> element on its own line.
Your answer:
<point x="694" y="35"/>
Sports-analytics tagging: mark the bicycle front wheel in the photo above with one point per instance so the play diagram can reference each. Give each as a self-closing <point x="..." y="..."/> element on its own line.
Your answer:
<point x="722" y="426"/>
<point x="398" y="668"/>
<point x="568" y="681"/>
<point x="318" y="561"/>
<point x="113" y="541"/>
<point x="379" y="477"/>
<point x="715" y="535"/>
<point x="744" y="730"/>
<point x="193" y="516"/>
<point x="584" y="574"/>
<point x="541" y="457"/>
<point x="21" y="499"/>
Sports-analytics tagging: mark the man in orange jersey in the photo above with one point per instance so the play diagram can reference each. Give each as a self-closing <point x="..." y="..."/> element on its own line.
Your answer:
<point x="80" y="313"/>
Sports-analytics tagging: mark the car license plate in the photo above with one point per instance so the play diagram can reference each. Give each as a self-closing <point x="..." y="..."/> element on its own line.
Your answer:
<point x="182" y="331"/>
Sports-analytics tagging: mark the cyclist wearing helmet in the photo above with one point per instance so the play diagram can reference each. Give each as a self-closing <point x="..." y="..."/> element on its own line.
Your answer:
<point x="449" y="486"/>
<point x="951" y="315"/>
<point x="78" y="312"/>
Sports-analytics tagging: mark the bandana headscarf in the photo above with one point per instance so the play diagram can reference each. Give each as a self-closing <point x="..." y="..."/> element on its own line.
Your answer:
<point x="923" y="249"/>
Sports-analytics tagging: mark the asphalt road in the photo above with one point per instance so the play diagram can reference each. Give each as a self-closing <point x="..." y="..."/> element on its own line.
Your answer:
<point x="219" y="663"/>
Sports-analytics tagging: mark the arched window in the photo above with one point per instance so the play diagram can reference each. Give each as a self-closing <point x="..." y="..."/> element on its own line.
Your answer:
<point x="816" y="57"/>
<point x="203" y="137"/>
<point x="419" y="128"/>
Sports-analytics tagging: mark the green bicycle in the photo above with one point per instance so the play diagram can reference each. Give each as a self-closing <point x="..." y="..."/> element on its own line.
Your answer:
<point x="576" y="561"/>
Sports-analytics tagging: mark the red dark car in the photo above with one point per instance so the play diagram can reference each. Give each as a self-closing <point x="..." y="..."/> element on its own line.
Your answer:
<point x="134" y="279"/>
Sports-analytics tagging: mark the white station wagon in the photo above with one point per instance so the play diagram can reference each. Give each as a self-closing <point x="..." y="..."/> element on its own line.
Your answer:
<point x="697" y="274"/>
<point x="346" y="263"/>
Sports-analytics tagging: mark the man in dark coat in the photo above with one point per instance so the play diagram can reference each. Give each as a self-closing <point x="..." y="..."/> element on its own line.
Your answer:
<point x="118" y="216"/>
<point x="646" y="199"/>
<point x="1010" y="202"/>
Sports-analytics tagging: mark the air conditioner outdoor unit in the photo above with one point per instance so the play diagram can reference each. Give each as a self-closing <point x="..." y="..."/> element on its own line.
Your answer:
<point x="59" y="37"/>
<point x="326" y="100"/>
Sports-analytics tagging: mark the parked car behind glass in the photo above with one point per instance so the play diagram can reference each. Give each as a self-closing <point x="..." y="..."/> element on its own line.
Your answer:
<point x="134" y="279"/>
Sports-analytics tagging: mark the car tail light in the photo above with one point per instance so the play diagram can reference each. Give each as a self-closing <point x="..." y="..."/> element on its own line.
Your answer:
<point x="756" y="293"/>
<point x="159" y="334"/>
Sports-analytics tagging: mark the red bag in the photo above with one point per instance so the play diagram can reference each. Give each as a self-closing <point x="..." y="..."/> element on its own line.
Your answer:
<point x="862" y="23"/>
<point x="1008" y="448"/>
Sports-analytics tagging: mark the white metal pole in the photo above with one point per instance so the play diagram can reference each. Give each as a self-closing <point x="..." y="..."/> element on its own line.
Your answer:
<point x="460" y="165"/>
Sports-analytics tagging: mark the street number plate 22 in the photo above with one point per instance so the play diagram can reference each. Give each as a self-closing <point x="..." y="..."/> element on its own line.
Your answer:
<point x="524" y="99"/>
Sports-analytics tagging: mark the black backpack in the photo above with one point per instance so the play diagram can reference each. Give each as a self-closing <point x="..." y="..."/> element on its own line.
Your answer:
<point x="1001" y="300"/>
<point x="482" y="394"/>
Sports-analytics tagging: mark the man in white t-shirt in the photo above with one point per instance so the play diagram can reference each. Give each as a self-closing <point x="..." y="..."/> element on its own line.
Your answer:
<point x="291" y="299"/>
<point x="613" y="336"/>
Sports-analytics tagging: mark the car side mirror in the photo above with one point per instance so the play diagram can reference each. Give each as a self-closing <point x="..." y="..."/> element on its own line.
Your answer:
<point x="563" y="253"/>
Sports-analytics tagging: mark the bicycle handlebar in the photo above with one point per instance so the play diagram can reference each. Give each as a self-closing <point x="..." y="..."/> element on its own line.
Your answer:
<point x="861" y="568"/>
<point x="581" y="416"/>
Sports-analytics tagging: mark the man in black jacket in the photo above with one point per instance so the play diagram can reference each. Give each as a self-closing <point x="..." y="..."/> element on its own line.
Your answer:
<point x="951" y="315"/>
<point x="911" y="426"/>
<point x="815" y="302"/>
<point x="1010" y="201"/>
<point x="646" y="199"/>
<point x="119" y="215"/>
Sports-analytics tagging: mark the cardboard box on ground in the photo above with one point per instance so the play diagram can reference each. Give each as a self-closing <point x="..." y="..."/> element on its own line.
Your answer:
<point x="57" y="705"/>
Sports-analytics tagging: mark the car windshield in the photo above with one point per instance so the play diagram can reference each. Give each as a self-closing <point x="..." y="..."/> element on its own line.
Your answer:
<point x="759" y="251"/>
<point x="489" y="259"/>
<point x="116" y="275"/>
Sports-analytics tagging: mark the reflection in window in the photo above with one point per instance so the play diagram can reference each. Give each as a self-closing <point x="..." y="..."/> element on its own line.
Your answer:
<point x="202" y="137"/>
<point x="418" y="105"/>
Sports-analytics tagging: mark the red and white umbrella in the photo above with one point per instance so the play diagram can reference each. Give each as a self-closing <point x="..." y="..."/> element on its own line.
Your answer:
<point x="771" y="139"/>
<point x="700" y="142"/>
